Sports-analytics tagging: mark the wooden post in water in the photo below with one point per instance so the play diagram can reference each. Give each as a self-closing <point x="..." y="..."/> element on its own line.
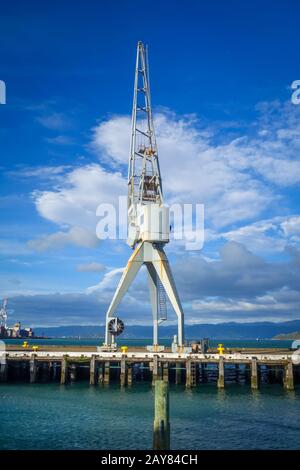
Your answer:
<point x="64" y="370"/>
<point x="101" y="373"/>
<point x="129" y="375"/>
<point x="193" y="374"/>
<point x="54" y="371"/>
<point x="93" y="370"/>
<point x="123" y="372"/>
<point x="3" y="369"/>
<point x="161" y="428"/>
<point x="221" y="379"/>
<point x="166" y="371"/>
<point x="188" y="374"/>
<point x="155" y="370"/>
<point x="288" y="380"/>
<point x="32" y="369"/>
<point x="254" y="376"/>
<point x="106" y="372"/>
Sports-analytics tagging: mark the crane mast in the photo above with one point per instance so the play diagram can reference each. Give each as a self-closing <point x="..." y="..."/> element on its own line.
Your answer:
<point x="144" y="179"/>
<point x="148" y="216"/>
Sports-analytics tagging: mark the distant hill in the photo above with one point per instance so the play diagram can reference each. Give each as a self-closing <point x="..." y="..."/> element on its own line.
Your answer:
<point x="230" y="330"/>
<point x="293" y="335"/>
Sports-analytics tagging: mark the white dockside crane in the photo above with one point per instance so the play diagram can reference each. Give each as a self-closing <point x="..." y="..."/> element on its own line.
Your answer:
<point x="148" y="217"/>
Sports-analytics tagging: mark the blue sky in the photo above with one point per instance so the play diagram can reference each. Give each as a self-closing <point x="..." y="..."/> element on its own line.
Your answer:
<point x="228" y="137"/>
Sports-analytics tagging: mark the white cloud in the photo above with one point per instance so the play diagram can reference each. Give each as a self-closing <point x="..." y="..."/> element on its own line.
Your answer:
<point x="91" y="267"/>
<point x="193" y="168"/>
<point x="112" y="139"/>
<point x="55" y="121"/>
<point x="269" y="235"/>
<point x="60" y="140"/>
<point x="40" y="172"/>
<point x="74" y="202"/>
<point x="13" y="247"/>
<point x="105" y="288"/>
<point x="235" y="180"/>
<point x="280" y="305"/>
<point x="77" y="236"/>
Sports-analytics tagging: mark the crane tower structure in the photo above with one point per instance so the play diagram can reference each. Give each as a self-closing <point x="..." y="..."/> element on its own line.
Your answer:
<point x="148" y="217"/>
<point x="3" y="314"/>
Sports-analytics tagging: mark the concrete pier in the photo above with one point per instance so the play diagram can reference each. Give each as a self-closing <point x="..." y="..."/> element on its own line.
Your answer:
<point x="221" y="376"/>
<point x="106" y="367"/>
<point x="254" y="374"/>
<point x="161" y="427"/>
<point x="288" y="381"/>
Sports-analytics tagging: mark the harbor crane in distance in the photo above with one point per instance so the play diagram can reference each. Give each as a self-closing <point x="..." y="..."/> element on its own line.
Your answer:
<point x="148" y="217"/>
<point x="3" y="314"/>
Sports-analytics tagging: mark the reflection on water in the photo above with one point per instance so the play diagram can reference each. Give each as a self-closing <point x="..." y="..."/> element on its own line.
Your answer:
<point x="77" y="416"/>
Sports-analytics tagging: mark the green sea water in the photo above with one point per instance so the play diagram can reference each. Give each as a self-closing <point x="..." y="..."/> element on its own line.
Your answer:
<point x="77" y="416"/>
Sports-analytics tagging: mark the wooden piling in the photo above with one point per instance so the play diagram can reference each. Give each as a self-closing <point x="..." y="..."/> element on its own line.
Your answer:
<point x="155" y="370"/>
<point x="106" y="372"/>
<point x="32" y="369"/>
<point x="64" y="370"/>
<point x="288" y="381"/>
<point x="3" y="369"/>
<point x="161" y="427"/>
<point x="221" y="378"/>
<point x="129" y="375"/>
<point x="188" y="374"/>
<point x="166" y="371"/>
<point x="123" y="372"/>
<point x="193" y="374"/>
<point x="254" y="374"/>
<point x="54" y="371"/>
<point x="101" y="373"/>
<point x="93" y="370"/>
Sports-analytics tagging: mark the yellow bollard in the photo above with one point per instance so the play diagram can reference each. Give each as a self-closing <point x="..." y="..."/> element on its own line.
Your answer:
<point x="25" y="344"/>
<point x="124" y="349"/>
<point x="35" y="348"/>
<point x="220" y="348"/>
